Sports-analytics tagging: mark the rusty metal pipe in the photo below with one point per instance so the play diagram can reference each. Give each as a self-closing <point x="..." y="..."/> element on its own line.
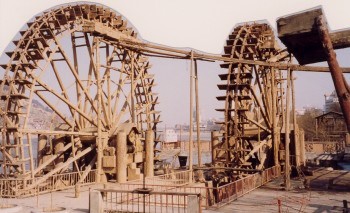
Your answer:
<point x="339" y="81"/>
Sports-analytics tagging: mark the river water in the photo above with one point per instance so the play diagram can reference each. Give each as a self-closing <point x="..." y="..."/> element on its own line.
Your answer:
<point x="344" y="165"/>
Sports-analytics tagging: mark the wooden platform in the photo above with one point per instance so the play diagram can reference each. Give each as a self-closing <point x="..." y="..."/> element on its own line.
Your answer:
<point x="300" y="35"/>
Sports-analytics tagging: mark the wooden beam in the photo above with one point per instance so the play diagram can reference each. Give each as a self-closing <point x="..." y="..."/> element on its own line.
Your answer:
<point x="46" y="176"/>
<point x="143" y="47"/>
<point x="255" y="149"/>
<point x="87" y="170"/>
<point x="52" y="158"/>
<point x="52" y="132"/>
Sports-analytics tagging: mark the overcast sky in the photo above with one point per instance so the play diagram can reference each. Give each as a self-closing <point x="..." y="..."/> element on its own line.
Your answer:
<point x="198" y="24"/>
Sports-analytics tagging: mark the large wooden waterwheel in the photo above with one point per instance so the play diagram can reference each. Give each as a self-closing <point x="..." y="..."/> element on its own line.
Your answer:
<point x="89" y="86"/>
<point x="252" y="100"/>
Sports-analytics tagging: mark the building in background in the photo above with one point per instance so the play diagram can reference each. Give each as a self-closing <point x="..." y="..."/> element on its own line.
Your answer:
<point x="331" y="103"/>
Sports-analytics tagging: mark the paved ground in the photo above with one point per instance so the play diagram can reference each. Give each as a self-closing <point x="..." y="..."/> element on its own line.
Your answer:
<point x="322" y="197"/>
<point x="64" y="198"/>
<point x="265" y="199"/>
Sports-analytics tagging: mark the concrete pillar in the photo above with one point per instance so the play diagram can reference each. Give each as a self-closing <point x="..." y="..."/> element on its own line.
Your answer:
<point x="149" y="161"/>
<point x="95" y="202"/>
<point x="58" y="144"/>
<point x="121" y="157"/>
<point x="42" y="140"/>
<point x="302" y="147"/>
<point x="214" y="142"/>
<point x="77" y="190"/>
<point x="192" y="204"/>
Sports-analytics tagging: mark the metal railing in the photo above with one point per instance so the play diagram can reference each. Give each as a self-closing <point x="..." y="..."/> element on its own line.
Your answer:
<point x="212" y="197"/>
<point x="149" y="201"/>
<point x="12" y="187"/>
<point x="219" y="196"/>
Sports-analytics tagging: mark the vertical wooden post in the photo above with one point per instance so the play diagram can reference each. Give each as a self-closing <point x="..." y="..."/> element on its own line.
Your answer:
<point x="295" y="128"/>
<point x="191" y="120"/>
<point x="3" y="137"/>
<point x="199" y="147"/>
<point x="347" y="139"/>
<point x="133" y="118"/>
<point x="181" y="143"/>
<point x="99" y="116"/>
<point x="287" y="134"/>
<point x="302" y="147"/>
<point x="316" y="127"/>
<point x="274" y="117"/>
<point x="109" y="94"/>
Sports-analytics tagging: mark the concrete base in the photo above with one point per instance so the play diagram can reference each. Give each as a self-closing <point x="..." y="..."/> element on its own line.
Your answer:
<point x="192" y="204"/>
<point x="134" y="173"/>
<point x="95" y="202"/>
